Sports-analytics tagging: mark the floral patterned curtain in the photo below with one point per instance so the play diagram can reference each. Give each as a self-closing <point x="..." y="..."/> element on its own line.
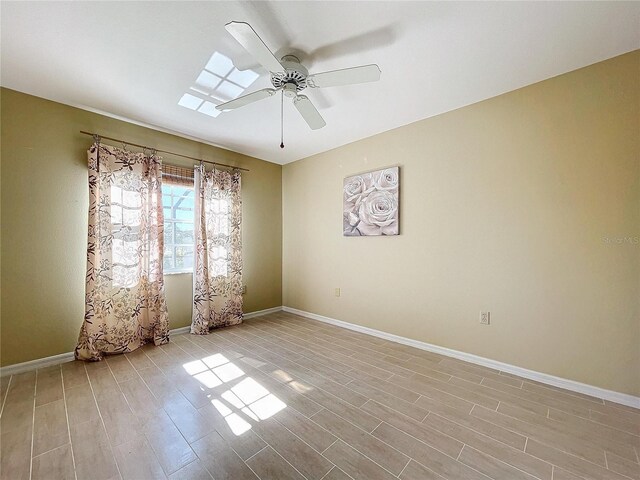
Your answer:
<point x="217" y="280"/>
<point x="125" y="304"/>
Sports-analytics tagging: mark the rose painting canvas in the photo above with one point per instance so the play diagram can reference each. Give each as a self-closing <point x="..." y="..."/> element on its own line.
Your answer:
<point x="370" y="203"/>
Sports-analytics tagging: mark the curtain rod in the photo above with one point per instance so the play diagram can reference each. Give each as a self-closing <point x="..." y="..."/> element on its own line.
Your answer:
<point x="163" y="151"/>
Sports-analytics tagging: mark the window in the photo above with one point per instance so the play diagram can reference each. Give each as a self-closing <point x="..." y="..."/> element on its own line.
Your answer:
<point x="178" y="205"/>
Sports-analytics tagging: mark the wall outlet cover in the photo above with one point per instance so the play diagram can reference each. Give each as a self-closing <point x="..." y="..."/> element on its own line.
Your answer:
<point x="485" y="318"/>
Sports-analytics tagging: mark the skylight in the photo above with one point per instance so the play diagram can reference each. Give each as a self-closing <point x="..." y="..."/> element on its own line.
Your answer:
<point x="189" y="101"/>
<point x="209" y="108"/>
<point x="244" y="78"/>
<point x="219" y="82"/>
<point x="220" y="64"/>
<point x="228" y="89"/>
<point x="208" y="80"/>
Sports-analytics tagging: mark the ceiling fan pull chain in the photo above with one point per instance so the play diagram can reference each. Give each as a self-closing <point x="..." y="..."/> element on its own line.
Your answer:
<point x="282" y="119"/>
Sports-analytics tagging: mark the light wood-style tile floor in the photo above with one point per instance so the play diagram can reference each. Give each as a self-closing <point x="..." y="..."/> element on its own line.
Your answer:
<point x="282" y="397"/>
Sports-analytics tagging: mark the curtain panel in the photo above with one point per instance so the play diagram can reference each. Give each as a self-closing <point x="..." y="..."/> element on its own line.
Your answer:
<point x="217" y="279"/>
<point x="125" y="303"/>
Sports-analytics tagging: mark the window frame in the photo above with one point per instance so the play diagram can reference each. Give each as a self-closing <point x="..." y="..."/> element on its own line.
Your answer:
<point x="173" y="221"/>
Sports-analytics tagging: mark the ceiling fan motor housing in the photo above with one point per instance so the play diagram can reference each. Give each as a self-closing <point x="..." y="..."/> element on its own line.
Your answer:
<point x="294" y="77"/>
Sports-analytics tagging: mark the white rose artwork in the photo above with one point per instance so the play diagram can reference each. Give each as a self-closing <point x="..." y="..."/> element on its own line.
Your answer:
<point x="370" y="203"/>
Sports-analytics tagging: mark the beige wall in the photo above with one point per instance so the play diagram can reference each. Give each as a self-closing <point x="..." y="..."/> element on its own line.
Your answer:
<point x="504" y="207"/>
<point x="44" y="223"/>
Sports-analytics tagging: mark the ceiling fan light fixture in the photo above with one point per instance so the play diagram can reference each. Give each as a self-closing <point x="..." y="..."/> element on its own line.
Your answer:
<point x="289" y="90"/>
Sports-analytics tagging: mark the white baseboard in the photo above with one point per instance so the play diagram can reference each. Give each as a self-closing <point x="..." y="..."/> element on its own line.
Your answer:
<point x="180" y="331"/>
<point x="610" y="395"/>
<point x="35" y="364"/>
<point x="68" y="357"/>
<point x="249" y="315"/>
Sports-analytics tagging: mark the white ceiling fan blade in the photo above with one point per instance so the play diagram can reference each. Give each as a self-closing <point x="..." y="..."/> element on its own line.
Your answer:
<point x="346" y="76"/>
<point x="309" y="112"/>
<point x="246" y="99"/>
<point x="252" y="43"/>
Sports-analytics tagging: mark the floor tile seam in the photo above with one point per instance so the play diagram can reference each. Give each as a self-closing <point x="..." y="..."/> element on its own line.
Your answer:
<point x="573" y="455"/>
<point x="66" y="414"/>
<point x="95" y="401"/>
<point x="33" y="426"/>
<point x="365" y="456"/>
<point x="287" y="461"/>
<point x="570" y="436"/>
<point x="336" y="337"/>
<point x="500" y="442"/>
<point x="6" y="394"/>
<point x="510" y="465"/>
<point x="422" y="441"/>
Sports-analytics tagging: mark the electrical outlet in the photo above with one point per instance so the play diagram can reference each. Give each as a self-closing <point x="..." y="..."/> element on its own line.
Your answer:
<point x="244" y="289"/>
<point x="485" y="318"/>
<point x="337" y="292"/>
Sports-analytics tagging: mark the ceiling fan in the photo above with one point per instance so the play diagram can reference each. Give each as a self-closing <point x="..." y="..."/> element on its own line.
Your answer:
<point x="290" y="77"/>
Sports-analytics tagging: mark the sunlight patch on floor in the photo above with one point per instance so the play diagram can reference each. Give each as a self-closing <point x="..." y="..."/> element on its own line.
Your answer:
<point x="247" y="399"/>
<point x="299" y="387"/>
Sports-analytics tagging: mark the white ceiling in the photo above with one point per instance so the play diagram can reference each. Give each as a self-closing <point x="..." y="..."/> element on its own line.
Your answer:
<point x="135" y="60"/>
